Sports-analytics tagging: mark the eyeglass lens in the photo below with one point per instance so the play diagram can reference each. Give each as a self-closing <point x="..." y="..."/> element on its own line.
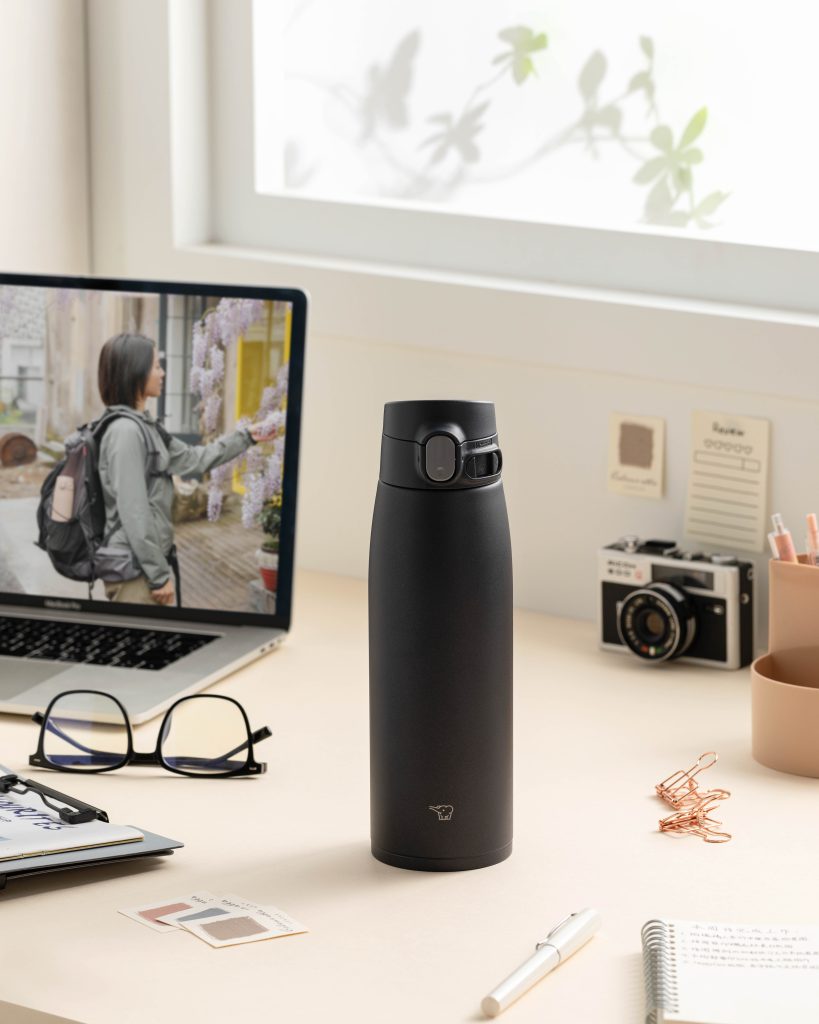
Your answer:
<point x="205" y="735"/>
<point x="86" y="732"/>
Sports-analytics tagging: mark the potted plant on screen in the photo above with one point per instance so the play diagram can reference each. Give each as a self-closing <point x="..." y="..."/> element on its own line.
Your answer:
<point x="267" y="556"/>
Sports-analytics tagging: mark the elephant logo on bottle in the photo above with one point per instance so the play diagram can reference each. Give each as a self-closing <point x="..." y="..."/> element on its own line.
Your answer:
<point x="444" y="811"/>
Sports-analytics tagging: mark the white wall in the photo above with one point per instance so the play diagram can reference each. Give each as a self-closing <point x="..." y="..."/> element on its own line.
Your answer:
<point x="553" y="424"/>
<point x="556" y="361"/>
<point x="44" y="171"/>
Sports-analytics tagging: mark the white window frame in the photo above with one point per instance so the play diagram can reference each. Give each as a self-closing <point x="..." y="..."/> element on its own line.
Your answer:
<point x="163" y="199"/>
<point x="642" y="260"/>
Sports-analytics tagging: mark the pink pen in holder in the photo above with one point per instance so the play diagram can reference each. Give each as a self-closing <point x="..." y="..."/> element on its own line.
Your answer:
<point x="781" y="541"/>
<point x="812" y="539"/>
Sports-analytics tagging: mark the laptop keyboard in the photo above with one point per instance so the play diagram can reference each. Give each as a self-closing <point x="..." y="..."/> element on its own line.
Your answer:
<point x="90" y="644"/>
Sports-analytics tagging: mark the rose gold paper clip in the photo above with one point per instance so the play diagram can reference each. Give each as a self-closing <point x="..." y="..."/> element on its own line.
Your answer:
<point x="680" y="789"/>
<point x="696" y="819"/>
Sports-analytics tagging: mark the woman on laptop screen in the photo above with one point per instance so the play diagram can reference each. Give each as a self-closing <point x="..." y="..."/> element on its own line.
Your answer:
<point x="137" y="460"/>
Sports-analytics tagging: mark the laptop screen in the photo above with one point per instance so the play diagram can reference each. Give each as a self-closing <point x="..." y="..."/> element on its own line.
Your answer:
<point x="149" y="447"/>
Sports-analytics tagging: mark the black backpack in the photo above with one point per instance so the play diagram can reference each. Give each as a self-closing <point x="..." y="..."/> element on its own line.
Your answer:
<point x="72" y="543"/>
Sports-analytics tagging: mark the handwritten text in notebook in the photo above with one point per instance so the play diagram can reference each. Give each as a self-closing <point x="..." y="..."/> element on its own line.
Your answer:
<point x="699" y="972"/>
<point x="745" y="946"/>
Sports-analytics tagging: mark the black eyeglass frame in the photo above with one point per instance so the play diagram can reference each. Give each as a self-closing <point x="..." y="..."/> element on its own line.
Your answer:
<point x="153" y="758"/>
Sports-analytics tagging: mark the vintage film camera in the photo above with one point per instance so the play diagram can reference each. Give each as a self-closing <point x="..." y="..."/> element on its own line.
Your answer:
<point x="661" y="603"/>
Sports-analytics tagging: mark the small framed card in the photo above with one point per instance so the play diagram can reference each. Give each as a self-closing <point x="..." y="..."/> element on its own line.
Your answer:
<point x="636" y="455"/>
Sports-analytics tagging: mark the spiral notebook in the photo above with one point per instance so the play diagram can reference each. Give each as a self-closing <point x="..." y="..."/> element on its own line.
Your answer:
<point x="702" y="973"/>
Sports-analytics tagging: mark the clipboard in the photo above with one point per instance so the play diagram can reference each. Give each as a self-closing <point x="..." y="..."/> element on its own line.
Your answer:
<point x="25" y="867"/>
<point x="74" y="811"/>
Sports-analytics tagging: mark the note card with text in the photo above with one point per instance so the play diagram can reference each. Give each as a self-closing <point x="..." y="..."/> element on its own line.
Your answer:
<point x="728" y="481"/>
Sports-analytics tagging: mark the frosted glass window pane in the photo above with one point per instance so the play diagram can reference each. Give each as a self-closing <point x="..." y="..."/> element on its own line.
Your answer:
<point x="695" y="117"/>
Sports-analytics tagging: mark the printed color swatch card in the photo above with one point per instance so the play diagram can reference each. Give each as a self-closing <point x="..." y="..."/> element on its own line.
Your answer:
<point x="636" y="455"/>
<point x="179" y="918"/>
<point x="218" y="920"/>
<point x="728" y="481"/>
<point x="249" y="921"/>
<point x="240" y="926"/>
<point x="151" y="914"/>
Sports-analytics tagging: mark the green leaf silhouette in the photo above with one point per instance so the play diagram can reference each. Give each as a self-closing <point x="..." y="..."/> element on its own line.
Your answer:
<point x="659" y="208"/>
<point x="610" y="117"/>
<point x="691" y="156"/>
<point x="649" y="171"/>
<point x="694" y="128"/>
<point x="710" y="204"/>
<point x="523" y="39"/>
<point x="593" y="73"/>
<point x="647" y="46"/>
<point x="642" y="80"/>
<point x="523" y="42"/>
<point x="662" y="138"/>
<point x="457" y="136"/>
<point x="682" y="178"/>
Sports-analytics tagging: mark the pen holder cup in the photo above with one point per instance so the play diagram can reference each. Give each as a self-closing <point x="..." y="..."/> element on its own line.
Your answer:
<point x="785" y="681"/>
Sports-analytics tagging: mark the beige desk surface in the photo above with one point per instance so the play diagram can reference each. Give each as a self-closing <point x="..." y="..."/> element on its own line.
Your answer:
<point x="594" y="732"/>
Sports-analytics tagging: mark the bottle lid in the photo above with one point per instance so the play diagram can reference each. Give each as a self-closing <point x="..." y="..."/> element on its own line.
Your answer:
<point x="440" y="445"/>
<point x="415" y="421"/>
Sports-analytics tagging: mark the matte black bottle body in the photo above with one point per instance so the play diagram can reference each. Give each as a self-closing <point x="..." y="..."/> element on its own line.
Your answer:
<point x="440" y="606"/>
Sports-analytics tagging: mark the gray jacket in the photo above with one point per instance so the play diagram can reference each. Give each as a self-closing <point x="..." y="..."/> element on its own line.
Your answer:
<point x="138" y="506"/>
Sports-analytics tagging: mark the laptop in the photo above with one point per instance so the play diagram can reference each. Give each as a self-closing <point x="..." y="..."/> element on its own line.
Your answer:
<point x="231" y="356"/>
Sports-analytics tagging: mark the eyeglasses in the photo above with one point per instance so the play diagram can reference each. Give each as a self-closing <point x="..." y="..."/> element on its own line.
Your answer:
<point x="205" y="735"/>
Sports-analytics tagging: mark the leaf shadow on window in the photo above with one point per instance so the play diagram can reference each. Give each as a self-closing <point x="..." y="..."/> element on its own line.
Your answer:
<point x="667" y="163"/>
<point x="672" y="173"/>
<point x="523" y="42"/>
<point x="457" y="135"/>
<point x="666" y="166"/>
<point x="385" y="102"/>
<point x="596" y="115"/>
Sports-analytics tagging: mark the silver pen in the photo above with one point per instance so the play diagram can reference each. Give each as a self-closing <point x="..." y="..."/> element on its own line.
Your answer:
<point x="564" y="939"/>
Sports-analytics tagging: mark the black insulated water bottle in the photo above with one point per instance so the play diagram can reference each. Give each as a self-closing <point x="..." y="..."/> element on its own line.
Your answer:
<point x="440" y="610"/>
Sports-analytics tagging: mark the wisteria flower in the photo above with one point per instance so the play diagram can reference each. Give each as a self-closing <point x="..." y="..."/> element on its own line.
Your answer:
<point x="253" y="499"/>
<point x="213" y="406"/>
<point x="261" y="466"/>
<point x="200" y="345"/>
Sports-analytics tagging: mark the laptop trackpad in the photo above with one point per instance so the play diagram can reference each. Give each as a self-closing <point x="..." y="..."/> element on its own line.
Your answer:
<point x="18" y="674"/>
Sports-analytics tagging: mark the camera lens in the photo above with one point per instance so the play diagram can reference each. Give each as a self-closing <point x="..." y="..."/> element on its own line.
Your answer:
<point x="650" y="626"/>
<point x="656" y="622"/>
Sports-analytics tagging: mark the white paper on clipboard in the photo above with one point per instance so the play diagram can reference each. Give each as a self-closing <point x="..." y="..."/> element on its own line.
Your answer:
<point x="728" y="481"/>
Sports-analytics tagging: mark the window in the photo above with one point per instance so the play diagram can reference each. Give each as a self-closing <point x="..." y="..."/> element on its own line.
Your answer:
<point x="595" y="215"/>
<point x="683" y="117"/>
